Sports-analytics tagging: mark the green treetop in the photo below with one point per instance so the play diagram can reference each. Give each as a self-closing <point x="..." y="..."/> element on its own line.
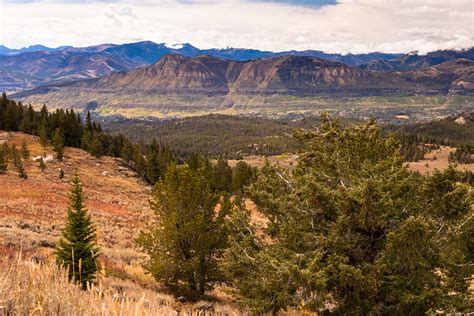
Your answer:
<point x="189" y="237"/>
<point x="77" y="249"/>
<point x="352" y="231"/>
<point x="25" y="152"/>
<point x="58" y="143"/>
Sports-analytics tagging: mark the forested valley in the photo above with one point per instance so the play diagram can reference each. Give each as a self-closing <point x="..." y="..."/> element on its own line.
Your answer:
<point x="349" y="230"/>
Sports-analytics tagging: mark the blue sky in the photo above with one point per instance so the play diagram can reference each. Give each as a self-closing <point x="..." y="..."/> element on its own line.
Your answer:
<point x="333" y="26"/>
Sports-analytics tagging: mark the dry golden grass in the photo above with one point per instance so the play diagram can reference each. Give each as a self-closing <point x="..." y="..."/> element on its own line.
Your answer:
<point x="437" y="159"/>
<point x="33" y="211"/>
<point x="32" y="214"/>
<point x="29" y="288"/>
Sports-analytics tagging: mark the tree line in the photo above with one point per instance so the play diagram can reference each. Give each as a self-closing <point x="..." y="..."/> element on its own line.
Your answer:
<point x="150" y="160"/>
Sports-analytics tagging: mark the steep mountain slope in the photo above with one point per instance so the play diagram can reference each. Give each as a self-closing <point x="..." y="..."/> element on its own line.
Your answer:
<point x="33" y="211"/>
<point x="309" y="76"/>
<point x="456" y="76"/>
<point x="33" y="214"/>
<point x="149" y="52"/>
<point x="174" y="73"/>
<point x="31" y="69"/>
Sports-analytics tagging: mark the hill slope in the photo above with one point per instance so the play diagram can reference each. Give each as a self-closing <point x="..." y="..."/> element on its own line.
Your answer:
<point x="33" y="211"/>
<point x="32" y="214"/>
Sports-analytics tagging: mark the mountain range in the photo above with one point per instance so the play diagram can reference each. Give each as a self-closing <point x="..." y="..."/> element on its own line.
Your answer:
<point x="179" y="85"/>
<point x="39" y="65"/>
<point x="288" y="75"/>
<point x="146" y="78"/>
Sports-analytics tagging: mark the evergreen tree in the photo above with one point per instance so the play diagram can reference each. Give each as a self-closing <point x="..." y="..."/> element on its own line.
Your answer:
<point x="190" y="236"/>
<point x="14" y="155"/>
<point x="127" y="151"/>
<point x="26" y="125"/>
<point x="86" y="140"/>
<point x="58" y="144"/>
<point x="3" y="162"/>
<point x="25" y="152"/>
<point x="6" y="152"/>
<point x="353" y="229"/>
<point x="96" y="147"/>
<point x="139" y="162"/>
<point x="153" y="171"/>
<point x="242" y="175"/>
<point x="222" y="176"/>
<point x="42" y="165"/>
<point x="77" y="249"/>
<point x="21" y="169"/>
<point x="88" y="126"/>
<point x="43" y="135"/>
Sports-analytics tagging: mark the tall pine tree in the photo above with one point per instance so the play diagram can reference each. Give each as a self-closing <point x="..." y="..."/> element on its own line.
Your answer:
<point x="77" y="249"/>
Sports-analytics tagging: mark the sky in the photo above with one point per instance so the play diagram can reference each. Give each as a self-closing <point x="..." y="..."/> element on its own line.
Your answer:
<point x="335" y="26"/>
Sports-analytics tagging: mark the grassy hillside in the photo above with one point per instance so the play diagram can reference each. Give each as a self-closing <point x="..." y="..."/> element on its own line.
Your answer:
<point x="32" y="214"/>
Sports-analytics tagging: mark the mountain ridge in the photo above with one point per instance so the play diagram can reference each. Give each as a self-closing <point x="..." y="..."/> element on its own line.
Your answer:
<point x="298" y="75"/>
<point x="27" y="70"/>
<point x="179" y="85"/>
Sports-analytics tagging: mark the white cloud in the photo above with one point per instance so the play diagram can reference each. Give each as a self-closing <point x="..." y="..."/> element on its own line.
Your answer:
<point x="350" y="26"/>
